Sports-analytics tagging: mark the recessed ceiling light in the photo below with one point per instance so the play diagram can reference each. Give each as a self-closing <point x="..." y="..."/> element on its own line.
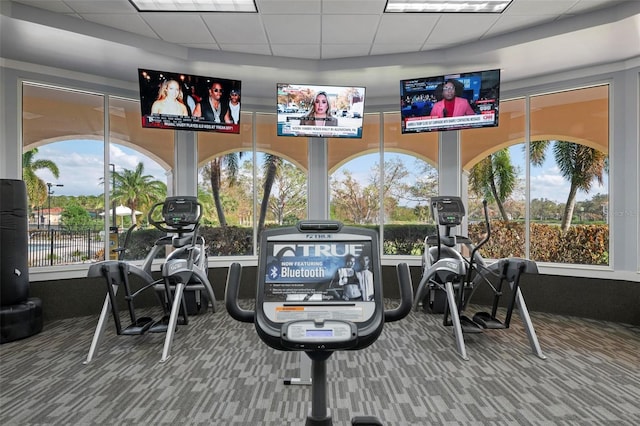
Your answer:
<point x="447" y="6"/>
<point x="195" y="5"/>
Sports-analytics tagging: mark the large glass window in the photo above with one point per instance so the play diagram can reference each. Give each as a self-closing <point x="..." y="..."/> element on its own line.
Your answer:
<point x="62" y="167"/>
<point x="388" y="191"/>
<point x="544" y="171"/>
<point x="557" y="212"/>
<point x="493" y="160"/>
<point x="569" y="145"/>
<point x="409" y="179"/>
<point x="248" y="189"/>
<point x="139" y="173"/>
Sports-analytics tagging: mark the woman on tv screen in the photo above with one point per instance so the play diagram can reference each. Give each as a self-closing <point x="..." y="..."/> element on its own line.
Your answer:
<point x="452" y="103"/>
<point x="320" y="112"/>
<point x="169" y="101"/>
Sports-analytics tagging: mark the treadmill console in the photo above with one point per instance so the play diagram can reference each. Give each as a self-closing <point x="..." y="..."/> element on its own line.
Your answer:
<point x="448" y="211"/>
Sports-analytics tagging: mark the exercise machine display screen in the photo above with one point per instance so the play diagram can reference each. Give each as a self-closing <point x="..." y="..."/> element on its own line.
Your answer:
<point x="313" y="333"/>
<point x="182" y="210"/>
<point x="319" y="277"/>
<point x="448" y="210"/>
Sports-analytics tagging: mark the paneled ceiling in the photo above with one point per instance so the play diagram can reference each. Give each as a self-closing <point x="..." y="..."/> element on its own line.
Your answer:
<point x="320" y="41"/>
<point x="319" y="29"/>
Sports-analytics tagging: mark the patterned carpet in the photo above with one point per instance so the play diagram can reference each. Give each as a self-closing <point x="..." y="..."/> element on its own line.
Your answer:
<point x="220" y="373"/>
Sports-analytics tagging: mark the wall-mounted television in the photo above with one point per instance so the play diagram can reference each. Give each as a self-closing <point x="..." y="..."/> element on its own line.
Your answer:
<point x="450" y="102"/>
<point x="179" y="101"/>
<point x="320" y="111"/>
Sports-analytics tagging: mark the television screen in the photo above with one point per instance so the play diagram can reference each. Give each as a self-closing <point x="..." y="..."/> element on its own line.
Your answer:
<point x="189" y="102"/>
<point x="320" y="111"/>
<point x="450" y="102"/>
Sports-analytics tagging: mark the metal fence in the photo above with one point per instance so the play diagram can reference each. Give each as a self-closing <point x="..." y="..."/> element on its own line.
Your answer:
<point x="60" y="247"/>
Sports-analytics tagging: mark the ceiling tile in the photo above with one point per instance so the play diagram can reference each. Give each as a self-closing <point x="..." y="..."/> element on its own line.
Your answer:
<point x="411" y="29"/>
<point x="241" y="28"/>
<point x="258" y="49"/>
<point x="344" y="50"/>
<point x="127" y="22"/>
<point x="307" y="51"/>
<point x="346" y="29"/>
<point x="461" y="28"/>
<point x="539" y="7"/>
<point x="288" y="7"/>
<point x="511" y="23"/>
<point x="289" y="29"/>
<point x="171" y="26"/>
<point x="360" y="7"/>
<point x="101" y="6"/>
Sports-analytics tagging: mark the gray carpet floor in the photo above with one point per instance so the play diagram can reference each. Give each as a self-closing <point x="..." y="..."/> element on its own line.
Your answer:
<point x="220" y="373"/>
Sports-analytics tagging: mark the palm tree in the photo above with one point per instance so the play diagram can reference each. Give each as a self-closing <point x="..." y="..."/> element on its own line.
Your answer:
<point x="271" y="167"/>
<point x="495" y="179"/>
<point x="579" y="164"/>
<point x="206" y="200"/>
<point x="213" y="171"/>
<point x="36" y="187"/>
<point x="136" y="190"/>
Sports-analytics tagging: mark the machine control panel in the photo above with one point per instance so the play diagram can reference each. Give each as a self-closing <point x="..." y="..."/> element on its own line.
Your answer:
<point x="449" y="211"/>
<point x="181" y="210"/>
<point x="319" y="335"/>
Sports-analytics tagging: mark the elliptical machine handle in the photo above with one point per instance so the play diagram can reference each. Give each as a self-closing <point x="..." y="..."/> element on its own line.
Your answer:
<point x="487" y="223"/>
<point x="122" y="250"/>
<point x="406" y="295"/>
<point x="231" y="295"/>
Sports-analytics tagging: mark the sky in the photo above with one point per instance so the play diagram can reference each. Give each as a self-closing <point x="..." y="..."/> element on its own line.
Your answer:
<point x="81" y="167"/>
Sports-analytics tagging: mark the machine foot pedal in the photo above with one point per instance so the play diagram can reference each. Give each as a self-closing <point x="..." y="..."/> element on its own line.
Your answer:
<point x="160" y="326"/>
<point x="487" y="321"/>
<point x="139" y="327"/>
<point x="365" y="421"/>
<point x="469" y="326"/>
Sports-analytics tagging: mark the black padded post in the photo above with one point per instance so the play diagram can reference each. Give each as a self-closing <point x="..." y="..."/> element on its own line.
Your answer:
<point x="20" y="316"/>
<point x="14" y="274"/>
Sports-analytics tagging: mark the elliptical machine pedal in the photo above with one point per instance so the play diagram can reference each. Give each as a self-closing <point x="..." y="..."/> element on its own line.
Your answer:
<point x="485" y="320"/>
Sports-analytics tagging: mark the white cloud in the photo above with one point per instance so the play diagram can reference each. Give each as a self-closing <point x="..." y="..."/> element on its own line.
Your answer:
<point x="81" y="166"/>
<point x="556" y="188"/>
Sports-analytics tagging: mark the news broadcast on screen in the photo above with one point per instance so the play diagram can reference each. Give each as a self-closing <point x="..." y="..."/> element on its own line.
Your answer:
<point x="320" y="111"/>
<point x="450" y="102"/>
<point x="179" y="101"/>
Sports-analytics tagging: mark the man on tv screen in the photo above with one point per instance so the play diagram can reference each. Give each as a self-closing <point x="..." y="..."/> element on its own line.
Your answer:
<point x="452" y="103"/>
<point x="212" y="108"/>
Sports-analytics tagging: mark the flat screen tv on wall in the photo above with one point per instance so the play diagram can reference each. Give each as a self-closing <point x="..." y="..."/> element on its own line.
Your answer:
<point x="320" y="111"/>
<point x="450" y="102"/>
<point x="179" y="101"/>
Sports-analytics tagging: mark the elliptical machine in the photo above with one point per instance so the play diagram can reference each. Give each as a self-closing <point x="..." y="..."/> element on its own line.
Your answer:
<point x="184" y="269"/>
<point x="297" y="310"/>
<point x="450" y="278"/>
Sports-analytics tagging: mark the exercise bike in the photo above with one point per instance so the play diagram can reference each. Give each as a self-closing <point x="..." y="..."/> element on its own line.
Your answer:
<point x="184" y="271"/>
<point x="453" y="270"/>
<point x="302" y="260"/>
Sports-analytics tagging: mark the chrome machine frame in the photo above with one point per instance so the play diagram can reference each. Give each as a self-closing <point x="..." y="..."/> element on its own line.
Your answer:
<point x="446" y="269"/>
<point x="184" y="268"/>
